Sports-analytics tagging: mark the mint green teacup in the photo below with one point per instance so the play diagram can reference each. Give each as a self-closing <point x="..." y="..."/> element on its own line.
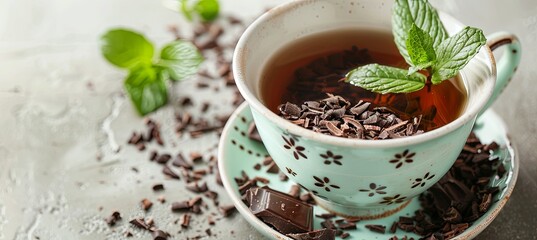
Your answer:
<point x="361" y="178"/>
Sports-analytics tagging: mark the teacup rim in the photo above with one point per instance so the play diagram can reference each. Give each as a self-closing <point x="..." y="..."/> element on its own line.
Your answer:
<point x="470" y="113"/>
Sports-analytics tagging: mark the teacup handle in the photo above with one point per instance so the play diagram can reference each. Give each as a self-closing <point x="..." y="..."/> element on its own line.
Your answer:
<point x="508" y="63"/>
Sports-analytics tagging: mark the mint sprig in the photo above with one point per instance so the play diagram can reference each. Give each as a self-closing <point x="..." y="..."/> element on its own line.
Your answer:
<point x="424" y="44"/>
<point x="146" y="82"/>
<point x="208" y="10"/>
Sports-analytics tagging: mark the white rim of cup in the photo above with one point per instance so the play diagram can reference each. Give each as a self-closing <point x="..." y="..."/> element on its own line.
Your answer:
<point x="470" y="113"/>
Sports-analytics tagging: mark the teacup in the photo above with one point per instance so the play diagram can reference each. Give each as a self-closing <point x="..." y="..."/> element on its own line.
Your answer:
<point x="373" y="178"/>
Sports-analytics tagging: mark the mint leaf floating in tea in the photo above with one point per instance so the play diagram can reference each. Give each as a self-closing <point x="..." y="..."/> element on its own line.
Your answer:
<point x="208" y="10"/>
<point x="424" y="44"/>
<point x="180" y="59"/>
<point x="146" y="82"/>
<point x="455" y="52"/>
<point x="384" y="79"/>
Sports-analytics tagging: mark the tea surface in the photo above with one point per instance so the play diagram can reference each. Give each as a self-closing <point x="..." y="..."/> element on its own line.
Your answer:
<point x="309" y="68"/>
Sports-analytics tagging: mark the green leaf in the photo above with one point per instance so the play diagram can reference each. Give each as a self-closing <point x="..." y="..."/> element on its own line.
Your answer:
<point x="207" y="9"/>
<point x="181" y="59"/>
<point x="420" y="48"/>
<point x="419" y="12"/>
<point x="384" y="79"/>
<point x="147" y="89"/>
<point x="186" y="10"/>
<point x="455" y="52"/>
<point x="126" y="49"/>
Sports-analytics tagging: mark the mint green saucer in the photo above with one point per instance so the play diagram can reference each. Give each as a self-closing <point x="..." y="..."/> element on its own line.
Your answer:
<point x="238" y="153"/>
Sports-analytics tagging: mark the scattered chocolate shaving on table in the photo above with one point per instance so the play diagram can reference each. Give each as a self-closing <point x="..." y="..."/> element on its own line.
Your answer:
<point x="169" y="172"/>
<point x="113" y="218"/>
<point x="181" y="162"/>
<point x="163" y="159"/>
<point x="127" y="234"/>
<point x="336" y="116"/>
<point x="140" y="223"/>
<point x="196" y="187"/>
<point x="179" y="206"/>
<point x="158" y="187"/>
<point x="153" y="155"/>
<point x="185" y="220"/>
<point x="160" y="235"/>
<point x="146" y="204"/>
<point x="195" y="157"/>
<point x="227" y="210"/>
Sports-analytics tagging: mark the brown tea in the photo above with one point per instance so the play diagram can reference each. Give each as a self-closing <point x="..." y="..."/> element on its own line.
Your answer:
<point x="309" y="68"/>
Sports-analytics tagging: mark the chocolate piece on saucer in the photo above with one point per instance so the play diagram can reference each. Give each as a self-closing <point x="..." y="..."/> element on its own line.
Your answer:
<point x="322" y="234"/>
<point x="285" y="213"/>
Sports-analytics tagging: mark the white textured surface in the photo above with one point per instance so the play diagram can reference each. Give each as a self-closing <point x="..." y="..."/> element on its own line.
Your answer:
<point x="54" y="126"/>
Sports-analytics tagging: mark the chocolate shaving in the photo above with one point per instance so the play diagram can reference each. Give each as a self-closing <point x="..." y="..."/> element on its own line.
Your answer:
<point x="169" y="172"/>
<point x="376" y="228"/>
<point x="159" y="235"/>
<point x="146" y="204"/>
<point x="113" y="218"/>
<point x="334" y="116"/>
<point x="226" y="211"/>
<point x="197" y="188"/>
<point x="181" y="162"/>
<point x="185" y="220"/>
<point x="140" y="223"/>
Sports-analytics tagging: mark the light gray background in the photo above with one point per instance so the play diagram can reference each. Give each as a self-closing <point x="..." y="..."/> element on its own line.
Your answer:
<point x="54" y="126"/>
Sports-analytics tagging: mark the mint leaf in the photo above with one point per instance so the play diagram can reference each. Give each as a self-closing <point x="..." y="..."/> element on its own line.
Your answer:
<point x="384" y="79"/>
<point x="455" y="52"/>
<point x="126" y="49"/>
<point x="207" y="9"/>
<point x="180" y="59"/>
<point x="420" y="48"/>
<point x="186" y="10"/>
<point x="147" y="88"/>
<point x="419" y="12"/>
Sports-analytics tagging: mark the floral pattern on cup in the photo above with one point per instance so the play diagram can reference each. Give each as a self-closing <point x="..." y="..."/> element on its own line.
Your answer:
<point x="422" y="181"/>
<point x="330" y="158"/>
<point x="290" y="135"/>
<point x="325" y="183"/>
<point x="374" y="189"/>
<point x="401" y="158"/>
<point x="290" y="171"/>
<point x="393" y="200"/>
<point x="291" y="144"/>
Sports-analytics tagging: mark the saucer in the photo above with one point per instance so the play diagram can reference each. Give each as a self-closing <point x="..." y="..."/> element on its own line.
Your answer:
<point x="237" y="153"/>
